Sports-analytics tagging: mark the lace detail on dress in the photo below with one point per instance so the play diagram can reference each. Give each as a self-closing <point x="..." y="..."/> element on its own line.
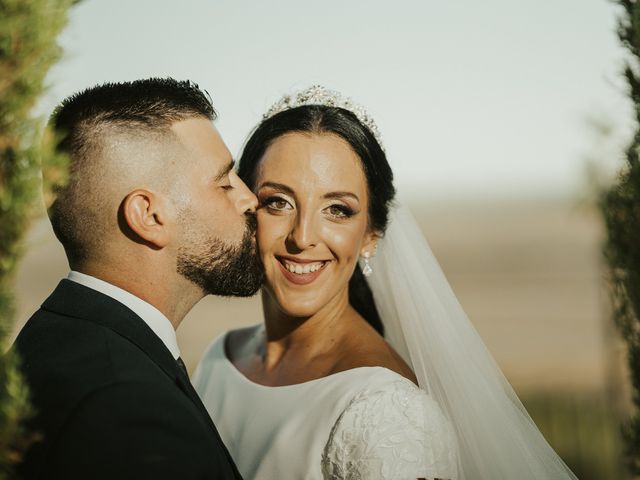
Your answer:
<point x="395" y="432"/>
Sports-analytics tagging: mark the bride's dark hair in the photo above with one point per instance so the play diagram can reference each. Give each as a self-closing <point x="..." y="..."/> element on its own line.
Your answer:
<point x="321" y="119"/>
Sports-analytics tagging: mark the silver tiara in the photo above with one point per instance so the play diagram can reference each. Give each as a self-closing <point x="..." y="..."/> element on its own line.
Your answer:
<point x="319" y="95"/>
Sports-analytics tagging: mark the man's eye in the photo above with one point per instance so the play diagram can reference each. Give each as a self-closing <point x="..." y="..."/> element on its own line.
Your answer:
<point x="227" y="187"/>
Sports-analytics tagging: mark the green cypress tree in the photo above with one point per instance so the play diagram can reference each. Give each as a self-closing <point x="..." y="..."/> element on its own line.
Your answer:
<point x="28" y="48"/>
<point x="620" y="206"/>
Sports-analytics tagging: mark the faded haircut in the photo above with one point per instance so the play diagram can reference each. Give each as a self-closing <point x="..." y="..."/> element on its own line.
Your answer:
<point x="83" y="124"/>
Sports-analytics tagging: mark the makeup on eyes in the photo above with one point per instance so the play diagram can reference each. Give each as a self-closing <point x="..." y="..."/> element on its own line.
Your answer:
<point x="267" y="199"/>
<point x="271" y="202"/>
<point x="279" y="204"/>
<point x="344" y="210"/>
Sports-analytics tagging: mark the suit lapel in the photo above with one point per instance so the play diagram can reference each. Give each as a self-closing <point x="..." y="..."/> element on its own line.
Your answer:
<point x="75" y="300"/>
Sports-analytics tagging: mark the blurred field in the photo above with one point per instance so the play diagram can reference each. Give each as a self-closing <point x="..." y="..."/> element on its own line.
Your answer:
<point x="529" y="276"/>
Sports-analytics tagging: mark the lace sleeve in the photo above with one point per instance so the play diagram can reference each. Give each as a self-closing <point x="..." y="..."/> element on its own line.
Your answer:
<point x="395" y="432"/>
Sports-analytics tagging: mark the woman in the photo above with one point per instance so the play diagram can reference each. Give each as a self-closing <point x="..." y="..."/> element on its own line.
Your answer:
<point x="317" y="391"/>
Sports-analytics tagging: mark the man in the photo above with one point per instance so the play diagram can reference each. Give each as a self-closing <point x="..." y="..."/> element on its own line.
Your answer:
<point x="152" y="219"/>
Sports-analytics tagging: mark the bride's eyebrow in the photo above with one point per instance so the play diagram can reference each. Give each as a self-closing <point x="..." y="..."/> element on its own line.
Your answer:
<point x="277" y="186"/>
<point x="341" y="195"/>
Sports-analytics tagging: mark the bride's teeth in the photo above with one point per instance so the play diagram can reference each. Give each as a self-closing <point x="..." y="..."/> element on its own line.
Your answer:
<point x="303" y="269"/>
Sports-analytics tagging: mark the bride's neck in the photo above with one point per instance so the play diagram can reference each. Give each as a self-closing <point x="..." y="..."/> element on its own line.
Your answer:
<point x="304" y="337"/>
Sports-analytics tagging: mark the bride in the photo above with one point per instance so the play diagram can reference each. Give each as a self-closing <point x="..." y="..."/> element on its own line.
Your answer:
<point x="347" y="378"/>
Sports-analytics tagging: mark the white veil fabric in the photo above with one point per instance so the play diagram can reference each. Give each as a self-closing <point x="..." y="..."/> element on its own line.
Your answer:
<point x="426" y="324"/>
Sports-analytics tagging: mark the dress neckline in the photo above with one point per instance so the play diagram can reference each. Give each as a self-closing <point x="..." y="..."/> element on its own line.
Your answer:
<point x="222" y="351"/>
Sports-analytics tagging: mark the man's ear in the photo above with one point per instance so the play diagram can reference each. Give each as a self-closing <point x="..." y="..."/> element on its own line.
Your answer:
<point x="147" y="215"/>
<point x="370" y="244"/>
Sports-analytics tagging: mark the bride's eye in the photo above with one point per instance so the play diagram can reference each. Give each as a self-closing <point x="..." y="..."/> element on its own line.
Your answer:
<point x="340" y="211"/>
<point x="276" y="204"/>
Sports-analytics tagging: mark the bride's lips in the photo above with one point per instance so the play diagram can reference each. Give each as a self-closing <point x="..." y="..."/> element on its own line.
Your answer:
<point x="301" y="278"/>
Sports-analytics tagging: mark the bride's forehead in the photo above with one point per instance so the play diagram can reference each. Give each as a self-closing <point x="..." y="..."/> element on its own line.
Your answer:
<point x="324" y="157"/>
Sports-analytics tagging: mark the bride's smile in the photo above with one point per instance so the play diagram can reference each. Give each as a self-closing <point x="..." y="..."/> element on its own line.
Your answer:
<point x="299" y="271"/>
<point x="312" y="220"/>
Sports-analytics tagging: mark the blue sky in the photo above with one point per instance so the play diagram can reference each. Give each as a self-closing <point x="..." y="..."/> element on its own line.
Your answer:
<point x="474" y="99"/>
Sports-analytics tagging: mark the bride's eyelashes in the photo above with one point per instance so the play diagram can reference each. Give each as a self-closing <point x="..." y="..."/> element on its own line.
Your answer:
<point x="338" y="210"/>
<point x="275" y="203"/>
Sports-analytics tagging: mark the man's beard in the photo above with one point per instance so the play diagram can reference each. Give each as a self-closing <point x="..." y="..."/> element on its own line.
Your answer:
<point x="222" y="269"/>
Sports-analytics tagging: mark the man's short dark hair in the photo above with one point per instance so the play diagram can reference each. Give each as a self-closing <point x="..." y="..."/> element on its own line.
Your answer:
<point x="154" y="103"/>
<point x="84" y="120"/>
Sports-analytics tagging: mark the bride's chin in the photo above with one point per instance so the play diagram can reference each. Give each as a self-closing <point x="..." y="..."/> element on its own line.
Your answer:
<point x="298" y="309"/>
<point x="296" y="306"/>
<point x="291" y="305"/>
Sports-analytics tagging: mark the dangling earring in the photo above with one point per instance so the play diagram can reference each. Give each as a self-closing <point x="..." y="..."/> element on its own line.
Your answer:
<point x="366" y="269"/>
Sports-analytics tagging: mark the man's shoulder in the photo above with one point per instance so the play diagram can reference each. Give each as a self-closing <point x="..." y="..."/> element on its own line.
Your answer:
<point x="65" y="359"/>
<point x="76" y="368"/>
<point x="50" y="340"/>
<point x="55" y="337"/>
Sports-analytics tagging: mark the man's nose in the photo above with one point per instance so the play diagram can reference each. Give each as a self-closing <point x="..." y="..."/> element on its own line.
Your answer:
<point x="246" y="201"/>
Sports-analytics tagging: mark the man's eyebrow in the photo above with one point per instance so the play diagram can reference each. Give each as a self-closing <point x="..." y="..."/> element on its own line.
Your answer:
<point x="339" y="195"/>
<point x="278" y="186"/>
<point x="225" y="171"/>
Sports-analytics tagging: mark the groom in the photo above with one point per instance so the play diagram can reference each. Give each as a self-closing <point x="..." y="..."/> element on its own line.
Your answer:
<point x="152" y="219"/>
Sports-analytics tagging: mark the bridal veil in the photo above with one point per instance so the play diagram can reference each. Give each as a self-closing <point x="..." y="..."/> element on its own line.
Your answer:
<point x="426" y="324"/>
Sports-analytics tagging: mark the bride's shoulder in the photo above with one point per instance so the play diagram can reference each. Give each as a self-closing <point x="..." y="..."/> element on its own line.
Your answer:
<point x="384" y="396"/>
<point x="385" y="390"/>
<point x="369" y="349"/>
<point x="394" y="423"/>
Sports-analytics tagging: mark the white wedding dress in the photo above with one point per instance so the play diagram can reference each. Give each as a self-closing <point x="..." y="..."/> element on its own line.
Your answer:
<point x="364" y="423"/>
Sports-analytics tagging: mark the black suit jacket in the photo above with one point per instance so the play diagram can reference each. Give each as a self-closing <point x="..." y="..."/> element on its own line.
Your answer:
<point x="111" y="401"/>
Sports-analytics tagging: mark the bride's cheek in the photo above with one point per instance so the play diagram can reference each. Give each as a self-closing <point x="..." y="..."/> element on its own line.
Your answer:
<point x="271" y="234"/>
<point x="346" y="241"/>
<point x="266" y="226"/>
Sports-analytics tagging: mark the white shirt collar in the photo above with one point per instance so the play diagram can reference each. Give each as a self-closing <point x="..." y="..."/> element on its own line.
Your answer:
<point x="156" y="321"/>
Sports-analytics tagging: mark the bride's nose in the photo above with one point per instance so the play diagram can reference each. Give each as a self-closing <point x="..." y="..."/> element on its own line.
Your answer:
<point x="303" y="233"/>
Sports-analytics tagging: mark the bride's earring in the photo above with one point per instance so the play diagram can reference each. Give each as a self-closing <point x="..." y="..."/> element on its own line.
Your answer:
<point x="366" y="268"/>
